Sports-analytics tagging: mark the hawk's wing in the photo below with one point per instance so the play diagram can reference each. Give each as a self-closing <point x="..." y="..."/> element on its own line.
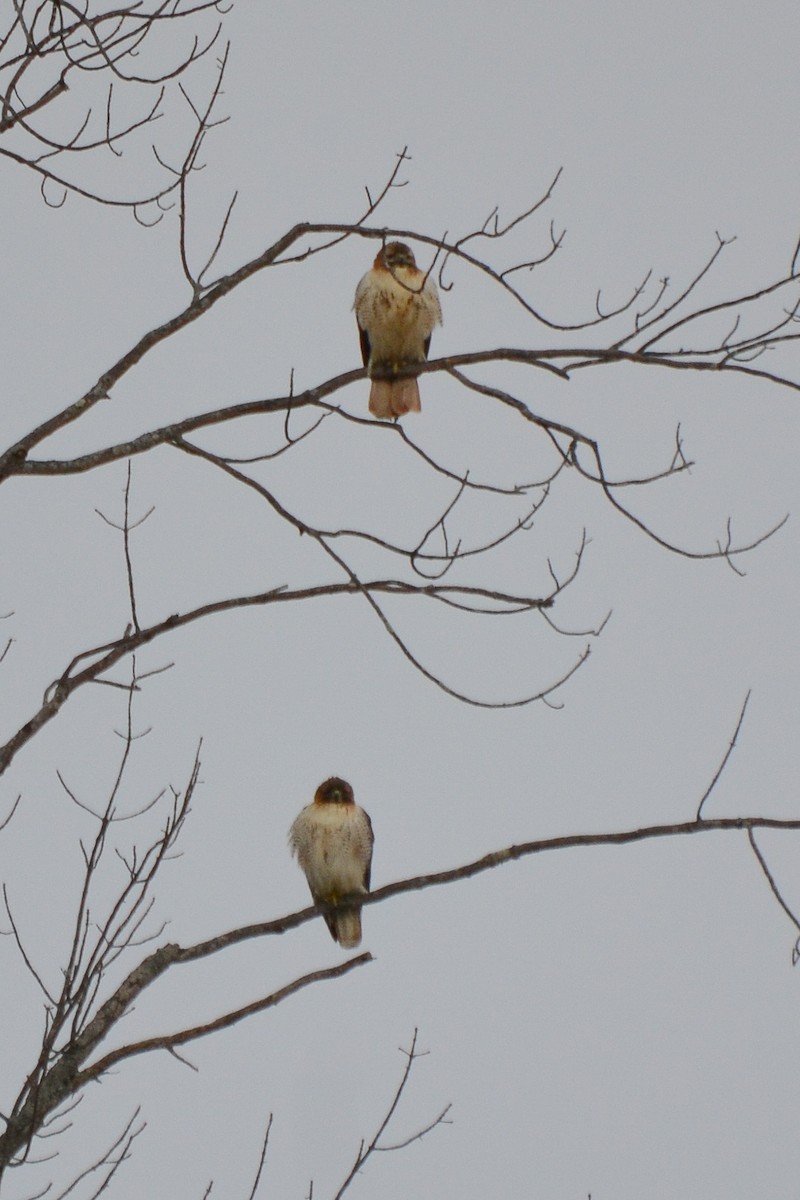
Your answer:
<point x="366" y="349"/>
<point x="368" y="867"/>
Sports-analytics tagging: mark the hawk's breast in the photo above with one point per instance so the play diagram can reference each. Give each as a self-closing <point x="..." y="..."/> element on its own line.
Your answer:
<point x="333" y="844"/>
<point x="397" y="319"/>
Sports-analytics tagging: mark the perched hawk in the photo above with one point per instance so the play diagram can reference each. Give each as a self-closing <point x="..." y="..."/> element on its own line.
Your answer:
<point x="332" y="839"/>
<point x="396" y="308"/>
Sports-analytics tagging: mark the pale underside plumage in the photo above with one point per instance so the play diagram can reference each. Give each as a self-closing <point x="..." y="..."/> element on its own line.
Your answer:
<point x="396" y="315"/>
<point x="333" y="844"/>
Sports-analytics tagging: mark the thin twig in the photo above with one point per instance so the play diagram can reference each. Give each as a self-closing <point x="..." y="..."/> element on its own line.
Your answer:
<point x="726" y="756"/>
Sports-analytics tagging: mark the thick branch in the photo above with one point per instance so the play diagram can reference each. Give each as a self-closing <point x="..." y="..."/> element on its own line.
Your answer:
<point x="715" y="358"/>
<point x="171" y="1040"/>
<point x="68" y="1075"/>
<point x="15" y="460"/>
<point x="10" y="460"/>
<point x="488" y="862"/>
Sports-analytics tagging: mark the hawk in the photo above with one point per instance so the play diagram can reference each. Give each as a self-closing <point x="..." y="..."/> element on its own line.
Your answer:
<point x="333" y="839"/>
<point x="396" y="308"/>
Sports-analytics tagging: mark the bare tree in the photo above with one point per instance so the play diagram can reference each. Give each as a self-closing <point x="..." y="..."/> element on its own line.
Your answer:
<point x="71" y="78"/>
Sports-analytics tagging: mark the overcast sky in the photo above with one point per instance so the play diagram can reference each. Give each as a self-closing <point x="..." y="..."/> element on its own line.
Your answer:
<point x="614" y="1022"/>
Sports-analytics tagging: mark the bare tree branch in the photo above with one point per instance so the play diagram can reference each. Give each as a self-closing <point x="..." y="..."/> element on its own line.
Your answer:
<point x="367" y="1149"/>
<point x="171" y="1040"/>
<point x="262" y="1160"/>
<point x="62" y="1078"/>
<point x="45" y="65"/>
<point x="103" y="658"/>
<point x="773" y="887"/>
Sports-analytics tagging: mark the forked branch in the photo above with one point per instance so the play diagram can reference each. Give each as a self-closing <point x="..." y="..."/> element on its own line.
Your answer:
<point x="368" y="1148"/>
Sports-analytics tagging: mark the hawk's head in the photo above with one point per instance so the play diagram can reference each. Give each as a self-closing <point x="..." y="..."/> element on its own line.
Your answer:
<point x="396" y="254"/>
<point x="334" y="791"/>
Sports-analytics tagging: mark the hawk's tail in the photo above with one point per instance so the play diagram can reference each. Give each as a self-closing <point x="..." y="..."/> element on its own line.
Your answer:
<point x="390" y="398"/>
<point x="345" y="927"/>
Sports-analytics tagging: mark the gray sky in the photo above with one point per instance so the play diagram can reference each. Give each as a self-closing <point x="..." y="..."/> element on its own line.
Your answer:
<point x="620" y="1022"/>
